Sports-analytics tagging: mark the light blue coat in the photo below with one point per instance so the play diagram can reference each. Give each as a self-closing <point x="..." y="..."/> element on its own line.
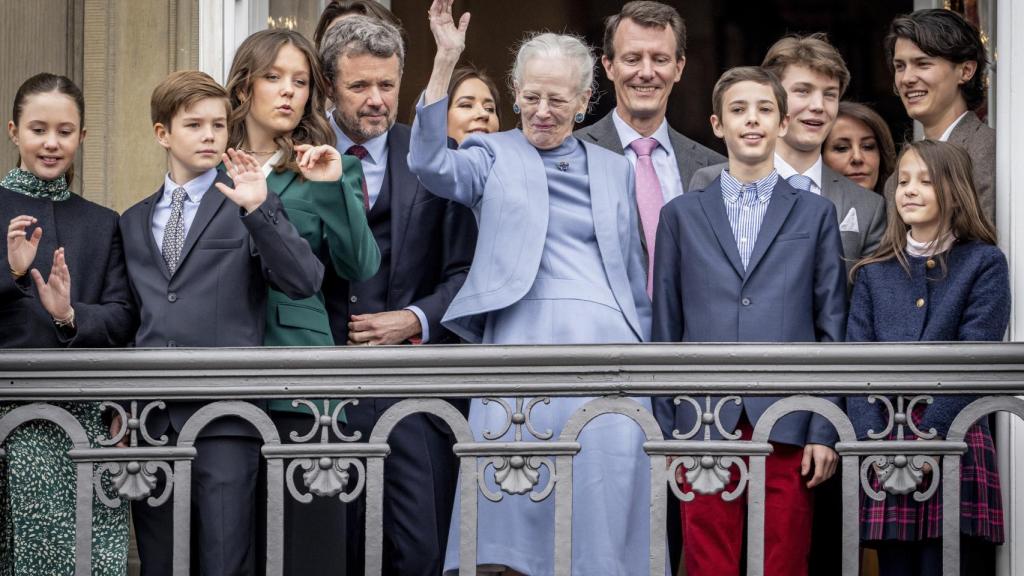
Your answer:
<point x="502" y="179"/>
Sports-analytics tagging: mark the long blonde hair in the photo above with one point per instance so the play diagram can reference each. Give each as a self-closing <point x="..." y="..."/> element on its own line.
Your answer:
<point x="951" y="172"/>
<point x="254" y="57"/>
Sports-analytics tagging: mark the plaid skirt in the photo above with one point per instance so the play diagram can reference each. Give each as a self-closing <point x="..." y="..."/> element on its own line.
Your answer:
<point x="900" y="517"/>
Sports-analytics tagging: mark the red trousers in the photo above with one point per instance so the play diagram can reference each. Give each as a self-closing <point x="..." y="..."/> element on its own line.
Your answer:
<point x="713" y="530"/>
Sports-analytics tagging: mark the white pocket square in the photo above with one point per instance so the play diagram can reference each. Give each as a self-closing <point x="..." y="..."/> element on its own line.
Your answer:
<point x="849" y="224"/>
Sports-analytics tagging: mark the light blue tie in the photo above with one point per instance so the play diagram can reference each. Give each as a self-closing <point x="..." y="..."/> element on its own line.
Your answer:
<point x="800" y="182"/>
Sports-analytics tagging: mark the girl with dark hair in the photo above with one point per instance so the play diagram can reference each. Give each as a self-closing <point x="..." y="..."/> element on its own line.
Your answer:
<point x="860" y="146"/>
<point x="277" y="93"/>
<point x="83" y="301"/>
<point x="938" y="63"/>
<point x="937" y="276"/>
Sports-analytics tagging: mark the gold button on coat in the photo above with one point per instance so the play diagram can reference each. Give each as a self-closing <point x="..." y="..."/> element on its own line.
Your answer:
<point x="930" y="263"/>
<point x="920" y="302"/>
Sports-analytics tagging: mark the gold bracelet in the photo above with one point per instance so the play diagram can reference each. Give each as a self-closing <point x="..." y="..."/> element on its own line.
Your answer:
<point x="68" y="322"/>
<point x="16" y="274"/>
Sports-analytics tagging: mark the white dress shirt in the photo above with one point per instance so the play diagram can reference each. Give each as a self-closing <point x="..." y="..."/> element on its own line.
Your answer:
<point x="195" y="189"/>
<point x="663" y="157"/>
<point x="814" y="172"/>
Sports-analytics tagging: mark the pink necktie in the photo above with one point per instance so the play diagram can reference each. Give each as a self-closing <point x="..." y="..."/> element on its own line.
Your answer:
<point x="648" y="198"/>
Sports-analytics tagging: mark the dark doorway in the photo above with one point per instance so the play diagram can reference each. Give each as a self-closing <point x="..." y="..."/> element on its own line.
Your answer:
<point x="721" y="34"/>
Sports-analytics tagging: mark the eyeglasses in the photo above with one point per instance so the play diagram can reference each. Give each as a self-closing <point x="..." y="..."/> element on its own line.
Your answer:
<point x="556" y="103"/>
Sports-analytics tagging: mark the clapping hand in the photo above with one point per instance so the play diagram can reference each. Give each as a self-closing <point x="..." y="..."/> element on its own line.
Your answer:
<point x="450" y="39"/>
<point x="250" y="184"/>
<point x="21" y="248"/>
<point x="55" y="292"/>
<point x="319" y="163"/>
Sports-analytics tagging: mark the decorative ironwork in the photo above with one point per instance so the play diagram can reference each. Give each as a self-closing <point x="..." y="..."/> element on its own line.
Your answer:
<point x="134" y="481"/>
<point x="518" y="418"/>
<point x="516" y="475"/>
<point x="900" y="474"/>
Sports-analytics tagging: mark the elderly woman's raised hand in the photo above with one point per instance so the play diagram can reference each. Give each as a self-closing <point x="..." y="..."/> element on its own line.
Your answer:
<point x="450" y="38"/>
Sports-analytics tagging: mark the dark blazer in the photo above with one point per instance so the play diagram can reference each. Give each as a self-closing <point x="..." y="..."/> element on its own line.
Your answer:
<point x="217" y="296"/>
<point x="866" y="207"/>
<point x="793" y="290"/>
<point x="979" y="140"/>
<point x="432" y="241"/>
<point x="968" y="301"/>
<point x="95" y="257"/>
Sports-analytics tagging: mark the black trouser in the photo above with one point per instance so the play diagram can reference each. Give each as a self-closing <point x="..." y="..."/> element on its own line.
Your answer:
<point x="420" y="474"/>
<point x="924" y="558"/>
<point x="223" y="504"/>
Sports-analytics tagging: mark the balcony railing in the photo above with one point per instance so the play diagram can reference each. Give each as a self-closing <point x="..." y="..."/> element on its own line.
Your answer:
<point x="141" y="380"/>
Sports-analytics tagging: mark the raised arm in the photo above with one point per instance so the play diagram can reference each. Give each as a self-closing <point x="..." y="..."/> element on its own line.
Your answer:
<point x="451" y="41"/>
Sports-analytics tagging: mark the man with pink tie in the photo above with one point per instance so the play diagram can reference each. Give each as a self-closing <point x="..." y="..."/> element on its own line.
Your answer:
<point x="644" y="56"/>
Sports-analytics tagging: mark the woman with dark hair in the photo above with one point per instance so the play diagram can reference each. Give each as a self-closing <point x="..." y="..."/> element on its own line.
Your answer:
<point x="473" y="103"/>
<point x="938" y="63"/>
<point x="937" y="276"/>
<point x="860" y="146"/>
<point x="277" y="93"/>
<point x="82" y="302"/>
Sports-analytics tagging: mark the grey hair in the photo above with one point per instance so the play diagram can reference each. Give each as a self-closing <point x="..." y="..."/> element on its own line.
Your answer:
<point x="357" y="35"/>
<point x="548" y="45"/>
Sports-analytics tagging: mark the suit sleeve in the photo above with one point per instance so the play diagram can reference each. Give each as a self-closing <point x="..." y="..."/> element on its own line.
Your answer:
<point x="112" y="321"/>
<point x="984" y="319"/>
<point x="876" y="229"/>
<point x="829" y="310"/>
<point x="353" y="250"/>
<point x="860" y="325"/>
<point x="458" y="175"/>
<point x="288" y="263"/>
<point x="983" y="155"/>
<point x="459" y="233"/>
<point x="667" y="323"/>
<point x="701" y="179"/>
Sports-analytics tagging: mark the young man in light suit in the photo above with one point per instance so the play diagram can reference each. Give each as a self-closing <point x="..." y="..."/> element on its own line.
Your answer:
<point x="815" y="77"/>
<point x="644" y="56"/>
<point x="201" y="253"/>
<point x="751" y="259"/>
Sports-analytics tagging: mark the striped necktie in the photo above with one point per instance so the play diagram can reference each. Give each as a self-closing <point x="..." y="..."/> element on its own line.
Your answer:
<point x="800" y="182"/>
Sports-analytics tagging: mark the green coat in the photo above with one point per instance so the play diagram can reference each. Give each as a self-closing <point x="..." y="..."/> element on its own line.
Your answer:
<point x="332" y="219"/>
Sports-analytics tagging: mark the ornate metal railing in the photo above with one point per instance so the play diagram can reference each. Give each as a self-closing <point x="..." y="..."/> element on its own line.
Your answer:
<point x="142" y="380"/>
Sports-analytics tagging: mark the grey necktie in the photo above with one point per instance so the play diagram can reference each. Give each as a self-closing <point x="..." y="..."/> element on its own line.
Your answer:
<point x="174" y="232"/>
<point x="800" y="182"/>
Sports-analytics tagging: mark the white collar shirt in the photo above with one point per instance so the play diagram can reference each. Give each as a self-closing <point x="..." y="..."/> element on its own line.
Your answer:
<point x="663" y="157"/>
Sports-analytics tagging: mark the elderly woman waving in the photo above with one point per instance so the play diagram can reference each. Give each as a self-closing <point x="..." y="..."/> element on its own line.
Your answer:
<point x="558" y="261"/>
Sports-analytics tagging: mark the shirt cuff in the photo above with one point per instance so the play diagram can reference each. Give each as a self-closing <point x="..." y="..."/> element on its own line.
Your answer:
<point x="424" y="326"/>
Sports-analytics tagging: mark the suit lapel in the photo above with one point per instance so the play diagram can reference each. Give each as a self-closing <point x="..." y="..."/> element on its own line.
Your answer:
<point x="830" y="188"/>
<point x="683" y="150"/>
<point x="604" y="134"/>
<point x="714" y="208"/>
<point x="146" y="231"/>
<point x="278" y="182"/>
<point x="779" y="207"/>
<point x="964" y="130"/>
<point x="208" y="207"/>
<point x="404" y="189"/>
<point x="606" y="226"/>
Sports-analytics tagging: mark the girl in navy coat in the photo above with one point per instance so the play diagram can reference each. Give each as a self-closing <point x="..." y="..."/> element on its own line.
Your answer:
<point x="937" y="276"/>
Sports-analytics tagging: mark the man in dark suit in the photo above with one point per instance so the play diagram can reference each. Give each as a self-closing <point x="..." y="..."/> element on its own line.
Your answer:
<point x="644" y="56"/>
<point x="751" y="259"/>
<point x="426" y="245"/>
<point x="815" y="77"/>
<point x="200" y="254"/>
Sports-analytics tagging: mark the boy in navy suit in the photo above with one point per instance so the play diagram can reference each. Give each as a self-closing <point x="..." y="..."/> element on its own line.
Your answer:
<point x="201" y="252"/>
<point x="751" y="259"/>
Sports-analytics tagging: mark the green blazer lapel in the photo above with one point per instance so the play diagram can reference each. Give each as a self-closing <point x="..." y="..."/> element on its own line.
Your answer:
<point x="278" y="182"/>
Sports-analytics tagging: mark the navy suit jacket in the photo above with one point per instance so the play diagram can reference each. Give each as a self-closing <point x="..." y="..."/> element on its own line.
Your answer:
<point x="792" y="290"/>
<point x="218" y="294"/>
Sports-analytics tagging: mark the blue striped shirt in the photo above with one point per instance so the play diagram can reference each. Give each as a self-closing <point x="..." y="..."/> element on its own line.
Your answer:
<point x="746" y="204"/>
